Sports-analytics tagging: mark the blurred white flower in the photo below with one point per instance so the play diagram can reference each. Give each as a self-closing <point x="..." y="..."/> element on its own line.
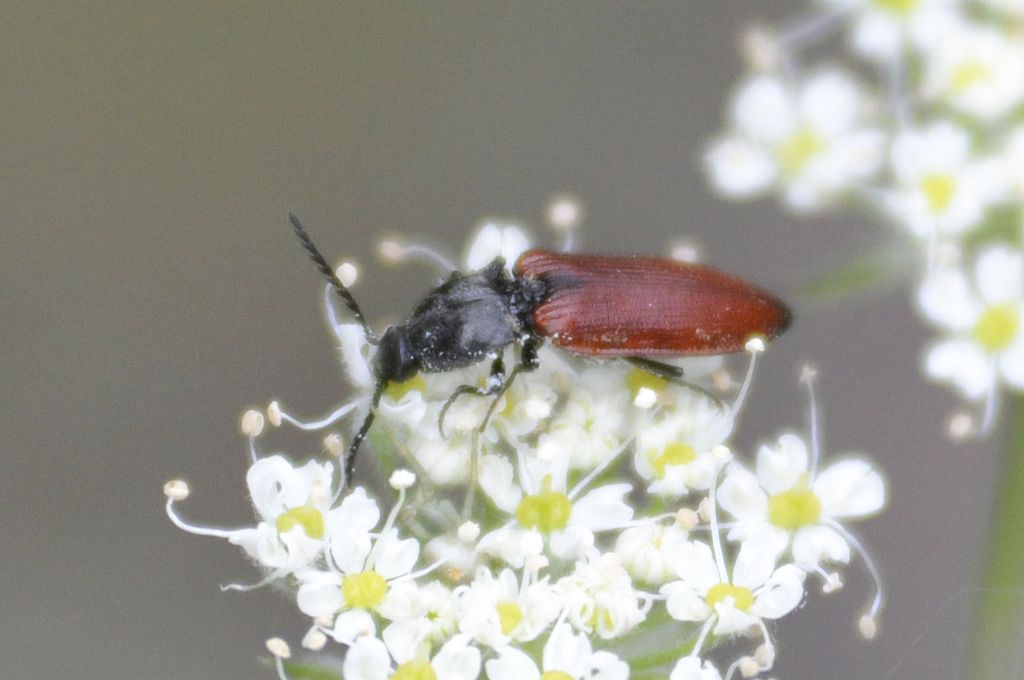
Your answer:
<point x="942" y="189"/>
<point x="981" y="314"/>
<point x="812" y="142"/>
<point x="566" y="657"/>
<point x="499" y="610"/>
<point x="979" y="70"/>
<point x="647" y="550"/>
<point x="600" y="598"/>
<point x="883" y="29"/>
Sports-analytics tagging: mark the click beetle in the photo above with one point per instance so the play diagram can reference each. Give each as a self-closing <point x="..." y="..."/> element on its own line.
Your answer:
<point x="631" y="307"/>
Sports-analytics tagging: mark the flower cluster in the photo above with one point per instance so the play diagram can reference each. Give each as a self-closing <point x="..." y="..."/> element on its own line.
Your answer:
<point x="598" y="526"/>
<point x="932" y="144"/>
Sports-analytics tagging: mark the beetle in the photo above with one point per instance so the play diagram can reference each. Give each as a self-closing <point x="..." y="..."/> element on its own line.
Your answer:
<point x="631" y="307"/>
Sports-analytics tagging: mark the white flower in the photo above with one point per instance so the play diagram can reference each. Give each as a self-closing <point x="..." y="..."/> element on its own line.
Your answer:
<point x="498" y="610"/>
<point x="673" y="447"/>
<point x="941" y="188"/>
<point x="755" y="589"/>
<point x="422" y="616"/>
<point x="358" y="582"/>
<point x="789" y="497"/>
<point x="368" y="659"/>
<point x="647" y="550"/>
<point x="599" y="597"/>
<point x="882" y="29"/>
<point x="590" y="426"/>
<point x="812" y="143"/>
<point x="982" y="316"/>
<point x="295" y="513"/>
<point x="978" y="70"/>
<point x="565" y="656"/>
<point x="564" y="517"/>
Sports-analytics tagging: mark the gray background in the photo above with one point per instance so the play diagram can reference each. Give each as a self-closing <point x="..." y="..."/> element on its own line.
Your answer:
<point x="151" y="291"/>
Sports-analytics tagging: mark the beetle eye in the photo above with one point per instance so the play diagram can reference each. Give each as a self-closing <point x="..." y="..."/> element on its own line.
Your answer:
<point x="395" y="360"/>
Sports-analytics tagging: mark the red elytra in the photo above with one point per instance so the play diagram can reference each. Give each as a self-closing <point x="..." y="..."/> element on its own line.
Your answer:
<point x="601" y="305"/>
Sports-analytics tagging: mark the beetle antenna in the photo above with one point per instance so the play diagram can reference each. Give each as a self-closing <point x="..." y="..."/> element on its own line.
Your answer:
<point x="332" y="278"/>
<point x="364" y="429"/>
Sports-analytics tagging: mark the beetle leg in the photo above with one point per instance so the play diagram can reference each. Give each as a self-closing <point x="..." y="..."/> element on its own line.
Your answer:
<point x="672" y="374"/>
<point x="528" y="360"/>
<point x="662" y="370"/>
<point x="494" y="385"/>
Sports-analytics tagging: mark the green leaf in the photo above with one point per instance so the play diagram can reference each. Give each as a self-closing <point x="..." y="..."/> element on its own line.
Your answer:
<point x="869" y="271"/>
<point x="307" y="671"/>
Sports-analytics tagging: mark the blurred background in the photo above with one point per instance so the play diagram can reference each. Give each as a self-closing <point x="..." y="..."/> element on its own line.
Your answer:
<point x="151" y="290"/>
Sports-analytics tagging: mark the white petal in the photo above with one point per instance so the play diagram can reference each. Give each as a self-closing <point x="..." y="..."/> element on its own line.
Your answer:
<point x="353" y="625"/>
<point x="962" y="363"/>
<point x="731" y="620"/>
<point x="946" y="298"/>
<point x="607" y="666"/>
<point x="367" y="659"/>
<point x="572" y="542"/>
<point x="603" y="508"/>
<point x="512" y="664"/>
<point x="738" y="168"/>
<point x="693" y="668"/>
<point x="829" y="102"/>
<point x="267" y="480"/>
<point x="696" y="565"/>
<point x="497" y="480"/>
<point x="741" y="495"/>
<point x="319" y="593"/>
<point x="780" y="467"/>
<point x="1011" y="362"/>
<point x="850" y="488"/>
<point x="495" y="240"/>
<point x="567" y="652"/>
<point x="349" y="550"/>
<point x="457" y="660"/>
<point x="357" y="512"/>
<point x="781" y="594"/>
<point x="754" y="563"/>
<point x="764" y="110"/>
<point x="684" y="603"/>
<point x="816" y="544"/>
<point x="1000" y="273"/>
<point x="354" y="353"/>
<point x="393" y="557"/>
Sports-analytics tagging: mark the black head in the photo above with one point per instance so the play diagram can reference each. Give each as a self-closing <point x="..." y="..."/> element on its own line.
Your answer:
<point x="395" y="360"/>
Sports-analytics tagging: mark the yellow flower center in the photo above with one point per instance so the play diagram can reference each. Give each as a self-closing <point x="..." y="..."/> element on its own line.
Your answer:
<point x="742" y="598"/>
<point x="676" y="453"/>
<point x="795" y="508"/>
<point x="546" y="511"/>
<point x="555" y="675"/>
<point x="415" y="670"/>
<point x="364" y="590"/>
<point x="997" y="327"/>
<point x="900" y="7"/>
<point x="397" y="390"/>
<point x="305" y="516"/>
<point x="637" y="379"/>
<point x="967" y="74"/>
<point x="939" y="190"/>
<point x="509" y="614"/>
<point x="801" y="147"/>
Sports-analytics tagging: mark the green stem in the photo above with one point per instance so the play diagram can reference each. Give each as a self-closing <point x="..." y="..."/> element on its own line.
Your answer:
<point x="998" y="607"/>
